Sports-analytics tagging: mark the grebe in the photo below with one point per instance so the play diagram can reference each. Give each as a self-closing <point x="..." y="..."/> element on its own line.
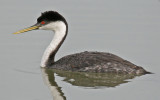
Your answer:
<point x="82" y="62"/>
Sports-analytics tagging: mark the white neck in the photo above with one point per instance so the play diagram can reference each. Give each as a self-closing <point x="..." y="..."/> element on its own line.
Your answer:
<point x="59" y="28"/>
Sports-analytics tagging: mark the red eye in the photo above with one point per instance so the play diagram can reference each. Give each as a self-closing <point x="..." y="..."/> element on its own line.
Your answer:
<point x="43" y="22"/>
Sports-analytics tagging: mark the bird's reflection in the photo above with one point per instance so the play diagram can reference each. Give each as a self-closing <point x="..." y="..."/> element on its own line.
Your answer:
<point x="91" y="80"/>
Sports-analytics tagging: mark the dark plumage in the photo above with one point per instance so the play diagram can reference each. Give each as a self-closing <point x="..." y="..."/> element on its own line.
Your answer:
<point x="51" y="16"/>
<point x="97" y="62"/>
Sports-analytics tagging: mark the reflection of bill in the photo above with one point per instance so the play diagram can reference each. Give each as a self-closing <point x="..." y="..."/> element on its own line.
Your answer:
<point x="82" y="79"/>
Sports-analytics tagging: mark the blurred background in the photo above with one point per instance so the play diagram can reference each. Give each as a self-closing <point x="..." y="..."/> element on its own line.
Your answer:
<point x="127" y="28"/>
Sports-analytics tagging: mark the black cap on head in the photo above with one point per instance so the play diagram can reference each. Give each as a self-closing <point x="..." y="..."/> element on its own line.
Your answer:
<point x="51" y="16"/>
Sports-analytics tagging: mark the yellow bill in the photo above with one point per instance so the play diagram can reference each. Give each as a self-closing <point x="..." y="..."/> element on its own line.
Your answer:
<point x="27" y="29"/>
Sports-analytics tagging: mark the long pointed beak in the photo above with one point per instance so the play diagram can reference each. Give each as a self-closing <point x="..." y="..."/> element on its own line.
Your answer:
<point x="34" y="27"/>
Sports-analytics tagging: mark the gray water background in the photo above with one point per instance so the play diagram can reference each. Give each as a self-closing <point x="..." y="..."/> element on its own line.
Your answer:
<point x="127" y="28"/>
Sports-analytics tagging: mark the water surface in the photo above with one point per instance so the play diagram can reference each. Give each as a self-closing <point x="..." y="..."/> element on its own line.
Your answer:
<point x="129" y="29"/>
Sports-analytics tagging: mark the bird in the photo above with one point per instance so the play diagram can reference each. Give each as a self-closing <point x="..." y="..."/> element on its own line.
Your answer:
<point x="87" y="61"/>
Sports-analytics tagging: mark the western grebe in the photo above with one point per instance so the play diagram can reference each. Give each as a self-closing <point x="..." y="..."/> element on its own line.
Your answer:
<point x="84" y="61"/>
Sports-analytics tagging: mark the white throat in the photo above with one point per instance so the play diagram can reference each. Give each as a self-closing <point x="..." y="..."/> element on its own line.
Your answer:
<point x="59" y="28"/>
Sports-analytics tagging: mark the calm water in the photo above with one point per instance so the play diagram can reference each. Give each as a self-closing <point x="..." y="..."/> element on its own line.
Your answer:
<point x="128" y="28"/>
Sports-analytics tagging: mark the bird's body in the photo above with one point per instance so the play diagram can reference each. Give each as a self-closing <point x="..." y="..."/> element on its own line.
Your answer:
<point x="96" y="62"/>
<point x="82" y="62"/>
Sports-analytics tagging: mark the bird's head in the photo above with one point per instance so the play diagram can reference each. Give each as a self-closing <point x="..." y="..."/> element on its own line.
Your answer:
<point x="49" y="20"/>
